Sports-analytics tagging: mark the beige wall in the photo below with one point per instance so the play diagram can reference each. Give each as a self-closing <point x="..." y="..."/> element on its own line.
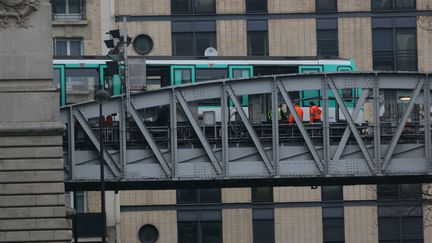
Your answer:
<point x="424" y="43"/>
<point x="231" y="37"/>
<point x="164" y="221"/>
<point x="361" y="224"/>
<point x="424" y="4"/>
<point x="291" y="6"/>
<point x="355" y="41"/>
<point x="159" y="31"/>
<point x="360" y="192"/>
<point x="300" y="225"/>
<point x="143" y="7"/>
<point x="296" y="194"/>
<point x="292" y="37"/>
<point x="148" y="197"/>
<point x="237" y="225"/>
<point x="230" y="6"/>
<point x="354" y="5"/>
<point x="236" y="195"/>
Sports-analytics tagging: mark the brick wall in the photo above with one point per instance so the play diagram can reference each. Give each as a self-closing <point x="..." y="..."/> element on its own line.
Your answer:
<point x="230" y="6"/>
<point x="296" y="194"/>
<point x="236" y="195"/>
<point x="300" y="225"/>
<point x="92" y="41"/>
<point x="361" y="224"/>
<point x="292" y="37"/>
<point x="360" y="192"/>
<point x="355" y="41"/>
<point x="159" y="31"/>
<point x="237" y="225"/>
<point x="164" y="221"/>
<point x="142" y="7"/>
<point x="231" y="37"/>
<point x="424" y="43"/>
<point x="291" y="6"/>
<point x="148" y="197"/>
<point x="354" y="5"/>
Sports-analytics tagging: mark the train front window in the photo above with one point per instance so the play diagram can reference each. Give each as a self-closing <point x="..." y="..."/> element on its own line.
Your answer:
<point x="81" y="84"/>
<point x="204" y="74"/>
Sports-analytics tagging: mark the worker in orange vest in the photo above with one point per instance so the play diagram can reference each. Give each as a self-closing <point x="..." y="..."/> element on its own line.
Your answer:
<point x="314" y="113"/>
<point x="299" y="113"/>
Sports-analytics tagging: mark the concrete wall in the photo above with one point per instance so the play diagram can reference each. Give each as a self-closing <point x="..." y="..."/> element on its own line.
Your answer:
<point x="237" y="225"/>
<point x="230" y="6"/>
<point x="32" y="201"/>
<point x="159" y="31"/>
<point x="353" y="5"/>
<point x="143" y="7"/>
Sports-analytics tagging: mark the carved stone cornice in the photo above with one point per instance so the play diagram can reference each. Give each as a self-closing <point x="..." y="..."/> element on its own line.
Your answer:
<point x="18" y="10"/>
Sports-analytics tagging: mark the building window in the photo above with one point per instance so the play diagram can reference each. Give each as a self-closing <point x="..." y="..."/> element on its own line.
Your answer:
<point x="192" y="38"/>
<point x="68" y="47"/>
<point x="199" y="226"/>
<point x="393" y="5"/>
<point x="195" y="196"/>
<point x="256" y="6"/>
<point x="76" y="200"/>
<point x="262" y="194"/>
<point x="68" y="9"/>
<point x="394" y="43"/>
<point x="327" y="37"/>
<point x="193" y="7"/>
<point x="403" y="221"/>
<point x="333" y="217"/>
<point x="263" y="226"/>
<point x="257" y="38"/>
<point x="326" y="5"/>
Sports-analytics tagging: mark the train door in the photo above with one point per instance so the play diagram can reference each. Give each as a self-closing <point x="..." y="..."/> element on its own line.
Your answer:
<point x="182" y="74"/>
<point x="59" y="82"/>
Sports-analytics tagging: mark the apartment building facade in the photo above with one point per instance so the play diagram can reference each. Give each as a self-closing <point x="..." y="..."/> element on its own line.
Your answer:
<point x="377" y="34"/>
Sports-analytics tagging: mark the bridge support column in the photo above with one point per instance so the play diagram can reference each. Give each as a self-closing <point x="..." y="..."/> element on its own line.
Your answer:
<point x="32" y="200"/>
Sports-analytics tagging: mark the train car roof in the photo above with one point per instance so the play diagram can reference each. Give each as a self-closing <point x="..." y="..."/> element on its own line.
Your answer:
<point x="248" y="60"/>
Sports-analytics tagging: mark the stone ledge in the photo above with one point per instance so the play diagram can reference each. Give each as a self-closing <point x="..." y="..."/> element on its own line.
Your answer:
<point x="69" y="22"/>
<point x="31" y="128"/>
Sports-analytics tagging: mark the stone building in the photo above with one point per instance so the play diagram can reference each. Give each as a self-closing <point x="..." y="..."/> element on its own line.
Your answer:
<point x="378" y="34"/>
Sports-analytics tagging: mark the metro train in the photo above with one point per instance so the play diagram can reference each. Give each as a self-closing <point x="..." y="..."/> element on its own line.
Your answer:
<point x="79" y="78"/>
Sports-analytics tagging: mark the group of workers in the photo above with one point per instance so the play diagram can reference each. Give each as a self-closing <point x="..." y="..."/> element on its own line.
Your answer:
<point x="314" y="113"/>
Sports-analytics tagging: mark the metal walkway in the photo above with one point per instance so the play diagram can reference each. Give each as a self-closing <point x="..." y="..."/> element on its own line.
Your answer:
<point x="183" y="147"/>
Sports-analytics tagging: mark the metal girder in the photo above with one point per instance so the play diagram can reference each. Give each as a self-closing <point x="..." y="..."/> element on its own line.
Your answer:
<point x="352" y="126"/>
<point x="300" y="126"/>
<point x="376" y="125"/>
<point x="173" y="133"/>
<point x="112" y="165"/>
<point x="225" y="116"/>
<point x="153" y="146"/>
<point x="427" y="120"/>
<point x="326" y="125"/>
<point x="346" y="133"/>
<point x="250" y="130"/>
<point x="216" y="164"/>
<point x="275" y="125"/>
<point x="71" y="141"/>
<point x="401" y="125"/>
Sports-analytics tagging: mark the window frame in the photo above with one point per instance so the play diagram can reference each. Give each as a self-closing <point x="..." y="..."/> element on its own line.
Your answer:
<point x="253" y="27"/>
<point x="198" y="218"/>
<point x="67" y="15"/>
<point x="68" y="45"/>
<point x="260" y="11"/>
<point x="318" y="10"/>
<point x="393" y="7"/>
<point x="263" y="215"/>
<point x="193" y="5"/>
<point x="325" y="26"/>
<point x="394" y="25"/>
<point x="193" y="28"/>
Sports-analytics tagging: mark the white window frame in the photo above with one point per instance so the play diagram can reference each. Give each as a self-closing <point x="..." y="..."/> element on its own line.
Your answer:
<point x="68" y="41"/>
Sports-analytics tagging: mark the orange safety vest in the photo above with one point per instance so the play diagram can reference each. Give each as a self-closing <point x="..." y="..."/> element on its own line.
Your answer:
<point x="315" y="113"/>
<point x="299" y="113"/>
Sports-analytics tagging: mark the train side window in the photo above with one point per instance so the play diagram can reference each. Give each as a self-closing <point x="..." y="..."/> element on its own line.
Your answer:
<point x="183" y="76"/>
<point x="57" y="78"/>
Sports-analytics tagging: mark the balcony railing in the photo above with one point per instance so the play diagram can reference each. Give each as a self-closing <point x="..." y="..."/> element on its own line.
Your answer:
<point x="67" y="10"/>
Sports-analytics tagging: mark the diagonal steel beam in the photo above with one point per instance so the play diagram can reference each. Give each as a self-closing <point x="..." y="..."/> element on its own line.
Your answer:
<point x="153" y="146"/>
<point x="250" y="129"/>
<point x="275" y="125"/>
<point x="112" y="165"/>
<point x="352" y="126"/>
<point x="288" y="101"/>
<point x="216" y="164"/>
<point x="347" y="131"/>
<point x="401" y="125"/>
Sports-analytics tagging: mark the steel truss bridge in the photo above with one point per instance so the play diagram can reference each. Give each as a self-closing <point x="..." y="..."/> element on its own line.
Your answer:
<point x="184" y="150"/>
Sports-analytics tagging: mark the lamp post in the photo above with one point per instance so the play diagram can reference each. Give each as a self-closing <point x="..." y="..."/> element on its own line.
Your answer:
<point x="101" y="97"/>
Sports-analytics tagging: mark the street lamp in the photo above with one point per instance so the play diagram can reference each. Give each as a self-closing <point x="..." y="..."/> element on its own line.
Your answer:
<point x="101" y="97"/>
